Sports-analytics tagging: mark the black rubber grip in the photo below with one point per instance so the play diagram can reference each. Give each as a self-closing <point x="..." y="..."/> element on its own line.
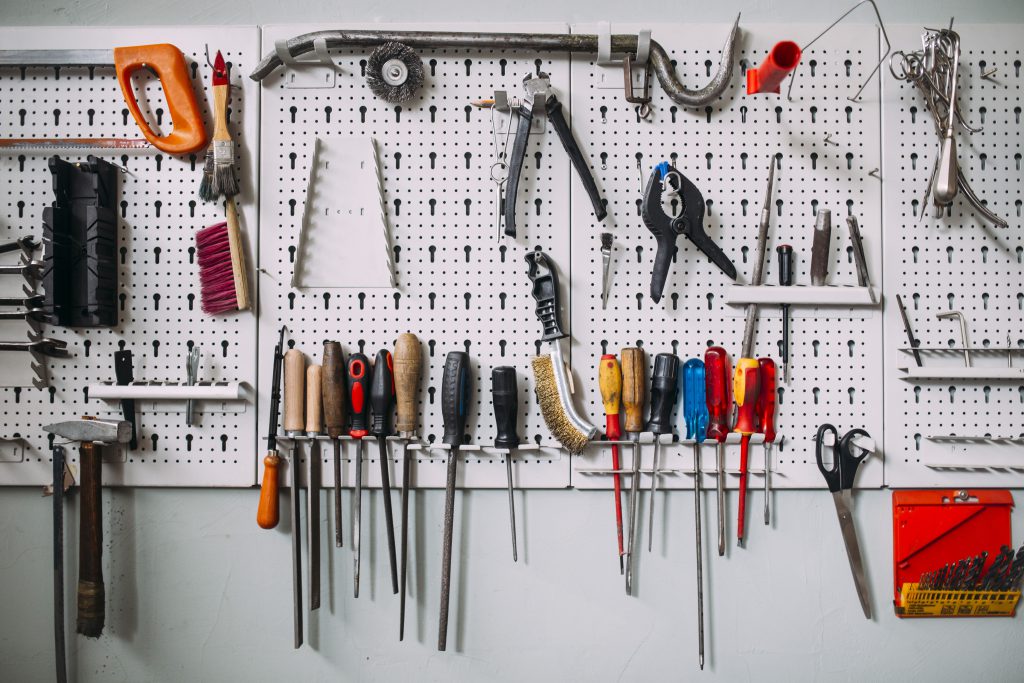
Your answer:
<point x="455" y="397"/>
<point x="554" y="112"/>
<point x="544" y="279"/>
<point x="360" y="375"/>
<point x="382" y="393"/>
<point x="664" y="387"/>
<point x="505" y="393"/>
<point x="662" y="263"/>
<point x="515" y="167"/>
<point x="124" y="372"/>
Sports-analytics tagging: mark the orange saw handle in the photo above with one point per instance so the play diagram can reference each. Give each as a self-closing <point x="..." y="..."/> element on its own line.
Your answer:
<point x="167" y="62"/>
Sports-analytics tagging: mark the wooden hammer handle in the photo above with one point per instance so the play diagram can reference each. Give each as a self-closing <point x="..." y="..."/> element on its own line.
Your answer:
<point x="91" y="595"/>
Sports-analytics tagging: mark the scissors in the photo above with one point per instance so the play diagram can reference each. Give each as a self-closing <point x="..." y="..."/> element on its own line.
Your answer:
<point x="839" y="478"/>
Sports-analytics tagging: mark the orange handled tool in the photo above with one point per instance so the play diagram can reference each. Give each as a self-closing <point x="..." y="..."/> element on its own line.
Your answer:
<point x="746" y="385"/>
<point x="609" y="378"/>
<point x="166" y="61"/>
<point x="268" y="511"/>
<point x="766" y="422"/>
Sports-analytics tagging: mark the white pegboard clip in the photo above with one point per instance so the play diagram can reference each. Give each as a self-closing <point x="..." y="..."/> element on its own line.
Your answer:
<point x="608" y="79"/>
<point x="301" y="73"/>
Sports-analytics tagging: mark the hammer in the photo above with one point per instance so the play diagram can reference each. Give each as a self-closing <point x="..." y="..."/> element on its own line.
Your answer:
<point x="92" y="435"/>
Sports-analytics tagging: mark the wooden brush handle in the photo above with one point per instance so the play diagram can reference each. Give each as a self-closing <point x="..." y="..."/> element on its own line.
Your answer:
<point x="268" y="512"/>
<point x="408" y="363"/>
<point x="633" y="388"/>
<point x="91" y="595"/>
<point x="238" y="270"/>
<point x="314" y="424"/>
<point x="294" y="392"/>
<point x="220" y="113"/>
<point x="334" y="388"/>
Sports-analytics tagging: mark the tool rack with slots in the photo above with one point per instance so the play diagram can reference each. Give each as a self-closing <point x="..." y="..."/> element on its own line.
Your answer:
<point x="461" y="288"/>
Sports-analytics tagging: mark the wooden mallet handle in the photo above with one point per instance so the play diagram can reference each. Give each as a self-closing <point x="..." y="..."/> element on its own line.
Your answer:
<point x="408" y="364"/>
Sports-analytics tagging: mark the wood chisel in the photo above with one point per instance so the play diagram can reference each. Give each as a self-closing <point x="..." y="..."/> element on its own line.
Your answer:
<point x="505" y="395"/>
<point x="454" y="409"/>
<point x="664" y="387"/>
<point x="408" y="362"/>
<point x="633" y="390"/>
<point x="334" y="390"/>
<point x="314" y="375"/>
<point x="821" y="248"/>
<point x="268" y="512"/>
<point x="164" y="60"/>
<point x="382" y="402"/>
<point x="294" y="412"/>
<point x="359" y="376"/>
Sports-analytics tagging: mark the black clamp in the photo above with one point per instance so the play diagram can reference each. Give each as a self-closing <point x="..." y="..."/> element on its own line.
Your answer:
<point x="689" y="222"/>
<point x="539" y="86"/>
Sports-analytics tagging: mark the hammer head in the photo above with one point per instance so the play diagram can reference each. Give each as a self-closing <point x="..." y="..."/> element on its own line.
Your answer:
<point x="99" y="431"/>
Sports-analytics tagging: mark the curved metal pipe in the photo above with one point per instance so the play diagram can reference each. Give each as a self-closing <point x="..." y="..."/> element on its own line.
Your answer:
<point x="660" y="62"/>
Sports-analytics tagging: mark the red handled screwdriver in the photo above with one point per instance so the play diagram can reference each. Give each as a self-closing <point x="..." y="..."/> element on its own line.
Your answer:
<point x="716" y="383"/>
<point x="766" y="423"/>
<point x="359" y="375"/>
<point x="609" y="378"/>
<point x="382" y="401"/>
<point x="745" y="388"/>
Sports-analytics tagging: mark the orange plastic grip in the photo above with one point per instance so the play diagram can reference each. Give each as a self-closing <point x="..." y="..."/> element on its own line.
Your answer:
<point x="167" y="62"/>
<point x="267" y="513"/>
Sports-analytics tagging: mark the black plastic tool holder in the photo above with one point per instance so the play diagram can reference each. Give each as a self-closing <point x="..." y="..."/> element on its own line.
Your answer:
<point x="80" y="244"/>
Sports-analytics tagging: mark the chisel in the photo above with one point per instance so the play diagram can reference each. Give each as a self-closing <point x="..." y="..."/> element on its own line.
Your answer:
<point x="294" y="409"/>
<point x="314" y="375"/>
<point x="454" y="407"/>
<point x="633" y="403"/>
<point x="382" y="402"/>
<point x="408" y="367"/>
<point x="505" y="393"/>
<point x="664" y="387"/>
<point x="359" y="377"/>
<point x="334" y="420"/>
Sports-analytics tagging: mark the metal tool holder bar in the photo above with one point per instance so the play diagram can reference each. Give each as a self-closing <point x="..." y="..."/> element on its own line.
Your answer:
<point x="160" y="316"/>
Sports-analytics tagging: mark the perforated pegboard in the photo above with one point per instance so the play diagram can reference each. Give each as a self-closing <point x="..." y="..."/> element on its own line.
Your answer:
<point x="459" y="287"/>
<point x="957" y="262"/>
<point x="725" y="149"/>
<point x="160" y="212"/>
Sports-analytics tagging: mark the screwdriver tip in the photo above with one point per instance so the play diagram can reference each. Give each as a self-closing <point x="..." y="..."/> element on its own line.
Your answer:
<point x="622" y="567"/>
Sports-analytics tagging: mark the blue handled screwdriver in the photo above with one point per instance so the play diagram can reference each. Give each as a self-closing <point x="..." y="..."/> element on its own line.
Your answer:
<point x="695" y="412"/>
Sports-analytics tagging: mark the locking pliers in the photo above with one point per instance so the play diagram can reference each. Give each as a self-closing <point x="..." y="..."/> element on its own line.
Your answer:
<point x="665" y="228"/>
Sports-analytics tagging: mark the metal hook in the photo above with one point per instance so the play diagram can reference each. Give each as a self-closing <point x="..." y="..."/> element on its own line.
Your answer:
<point x="206" y="47"/>
<point x="885" y="36"/>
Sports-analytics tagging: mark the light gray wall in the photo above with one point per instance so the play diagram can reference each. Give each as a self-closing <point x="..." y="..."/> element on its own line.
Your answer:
<point x="197" y="592"/>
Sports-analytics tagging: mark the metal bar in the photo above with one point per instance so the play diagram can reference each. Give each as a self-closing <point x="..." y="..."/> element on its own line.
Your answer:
<point x="56" y="58"/>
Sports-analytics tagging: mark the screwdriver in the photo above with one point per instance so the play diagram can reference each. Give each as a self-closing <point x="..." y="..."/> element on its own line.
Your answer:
<point x="609" y="378"/>
<point x="359" y="376"/>
<point x="745" y="388"/>
<point x="334" y="419"/>
<point x="294" y="396"/>
<point x="695" y="412"/>
<point x="408" y="364"/>
<point x="505" y="392"/>
<point x="716" y="382"/>
<point x="454" y="405"/>
<point x="664" y="387"/>
<point x="766" y="424"/>
<point x="382" y="402"/>
<point x="785" y="253"/>
<point x="633" y="403"/>
<point x="314" y="374"/>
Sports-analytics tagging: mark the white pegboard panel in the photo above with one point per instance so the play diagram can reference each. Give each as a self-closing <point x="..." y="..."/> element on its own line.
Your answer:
<point x="724" y="149"/>
<point x="957" y="262"/>
<point x="160" y="213"/>
<point x="459" y="288"/>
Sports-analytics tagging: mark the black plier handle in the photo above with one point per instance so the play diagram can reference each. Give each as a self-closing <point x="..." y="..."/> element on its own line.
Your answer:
<point x="553" y="110"/>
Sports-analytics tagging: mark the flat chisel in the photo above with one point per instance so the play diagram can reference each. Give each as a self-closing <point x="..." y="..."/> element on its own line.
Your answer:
<point x="294" y="409"/>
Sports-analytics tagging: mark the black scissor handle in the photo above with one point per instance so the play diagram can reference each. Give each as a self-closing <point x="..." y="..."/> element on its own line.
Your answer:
<point x="832" y="474"/>
<point x="841" y="474"/>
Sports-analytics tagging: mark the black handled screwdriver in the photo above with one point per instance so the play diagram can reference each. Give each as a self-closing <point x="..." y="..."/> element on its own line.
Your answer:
<point x="359" y="376"/>
<point x="505" y="392"/>
<point x="664" y="389"/>
<point x="785" y="280"/>
<point x="454" y="406"/>
<point x="382" y="402"/>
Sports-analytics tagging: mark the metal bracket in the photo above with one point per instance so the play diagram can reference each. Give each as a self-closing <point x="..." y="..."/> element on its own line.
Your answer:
<point x="301" y="72"/>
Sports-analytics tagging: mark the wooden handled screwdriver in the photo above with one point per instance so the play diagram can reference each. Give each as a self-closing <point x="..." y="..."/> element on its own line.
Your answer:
<point x="359" y="376"/>
<point x="633" y="402"/>
<point x="454" y="408"/>
<point x="609" y="379"/>
<point x="408" y="362"/>
<point x="294" y="409"/>
<point x="314" y="390"/>
<point x="382" y="402"/>
<point x="268" y="512"/>
<point x="334" y="386"/>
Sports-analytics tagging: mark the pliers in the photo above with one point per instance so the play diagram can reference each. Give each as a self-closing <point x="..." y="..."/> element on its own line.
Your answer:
<point x="689" y="222"/>
<point x="539" y="86"/>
